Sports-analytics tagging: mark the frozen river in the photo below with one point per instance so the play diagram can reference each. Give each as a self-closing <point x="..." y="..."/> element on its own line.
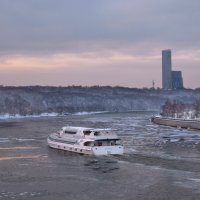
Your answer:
<point x="159" y="162"/>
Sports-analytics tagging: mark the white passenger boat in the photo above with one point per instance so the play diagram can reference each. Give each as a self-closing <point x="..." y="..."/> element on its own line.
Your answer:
<point x="86" y="141"/>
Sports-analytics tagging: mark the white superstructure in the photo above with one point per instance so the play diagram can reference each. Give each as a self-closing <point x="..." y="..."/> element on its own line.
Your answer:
<point x="86" y="141"/>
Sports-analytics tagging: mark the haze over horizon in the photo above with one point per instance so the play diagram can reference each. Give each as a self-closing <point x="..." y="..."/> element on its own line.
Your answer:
<point x="92" y="42"/>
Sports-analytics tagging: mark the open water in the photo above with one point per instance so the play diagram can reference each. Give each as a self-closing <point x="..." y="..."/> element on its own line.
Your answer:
<point x="159" y="162"/>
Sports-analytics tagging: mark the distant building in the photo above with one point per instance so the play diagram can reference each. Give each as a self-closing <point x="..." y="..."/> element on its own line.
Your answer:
<point x="170" y="79"/>
<point x="166" y="70"/>
<point x="177" y="80"/>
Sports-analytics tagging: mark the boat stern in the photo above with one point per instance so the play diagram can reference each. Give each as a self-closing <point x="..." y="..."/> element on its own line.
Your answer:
<point x="108" y="150"/>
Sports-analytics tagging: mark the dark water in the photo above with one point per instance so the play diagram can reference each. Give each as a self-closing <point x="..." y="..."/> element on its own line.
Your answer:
<point x="159" y="162"/>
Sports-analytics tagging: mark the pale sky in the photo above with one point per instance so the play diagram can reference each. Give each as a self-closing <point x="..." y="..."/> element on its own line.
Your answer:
<point x="97" y="42"/>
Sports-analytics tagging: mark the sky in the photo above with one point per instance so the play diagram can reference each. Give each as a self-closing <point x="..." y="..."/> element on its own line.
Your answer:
<point x="97" y="42"/>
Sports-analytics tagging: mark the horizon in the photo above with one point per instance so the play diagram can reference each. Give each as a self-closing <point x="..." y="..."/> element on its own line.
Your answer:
<point x="101" y="43"/>
<point x="101" y="86"/>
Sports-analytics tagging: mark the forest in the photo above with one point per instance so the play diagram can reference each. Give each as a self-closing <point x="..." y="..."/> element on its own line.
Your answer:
<point x="31" y="100"/>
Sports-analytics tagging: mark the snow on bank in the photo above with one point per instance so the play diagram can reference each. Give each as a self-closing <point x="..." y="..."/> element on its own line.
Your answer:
<point x="18" y="116"/>
<point x="53" y="114"/>
<point x="89" y="113"/>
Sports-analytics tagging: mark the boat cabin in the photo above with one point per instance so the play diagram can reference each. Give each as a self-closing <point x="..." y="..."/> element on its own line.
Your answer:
<point x="102" y="142"/>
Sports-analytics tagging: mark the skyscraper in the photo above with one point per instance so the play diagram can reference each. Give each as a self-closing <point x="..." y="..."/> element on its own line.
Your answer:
<point x="166" y="69"/>
<point x="177" y="80"/>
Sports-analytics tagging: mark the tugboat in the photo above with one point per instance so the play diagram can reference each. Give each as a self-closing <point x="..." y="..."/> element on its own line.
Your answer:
<point x="86" y="141"/>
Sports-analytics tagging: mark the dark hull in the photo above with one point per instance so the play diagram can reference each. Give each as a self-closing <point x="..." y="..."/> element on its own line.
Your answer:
<point x="179" y="123"/>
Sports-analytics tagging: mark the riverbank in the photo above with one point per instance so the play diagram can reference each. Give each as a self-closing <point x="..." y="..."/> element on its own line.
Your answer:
<point x="179" y="123"/>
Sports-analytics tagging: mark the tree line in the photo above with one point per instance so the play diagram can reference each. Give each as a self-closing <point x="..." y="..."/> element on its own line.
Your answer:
<point x="177" y="108"/>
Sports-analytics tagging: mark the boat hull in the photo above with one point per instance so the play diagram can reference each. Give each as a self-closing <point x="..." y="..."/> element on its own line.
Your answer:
<point x="98" y="150"/>
<point x="108" y="150"/>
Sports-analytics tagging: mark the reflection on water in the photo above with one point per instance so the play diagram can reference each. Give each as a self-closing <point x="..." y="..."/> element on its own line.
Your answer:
<point x="157" y="159"/>
<point x="18" y="148"/>
<point x="20" y="157"/>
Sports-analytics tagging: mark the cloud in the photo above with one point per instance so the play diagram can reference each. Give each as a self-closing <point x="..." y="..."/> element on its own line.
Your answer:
<point x="72" y="60"/>
<point x="66" y="25"/>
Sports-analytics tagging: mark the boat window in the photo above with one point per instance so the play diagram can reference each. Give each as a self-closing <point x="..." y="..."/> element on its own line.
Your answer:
<point x="88" y="144"/>
<point x="118" y="142"/>
<point x="70" y="132"/>
<point x="99" y="143"/>
<point x="86" y="132"/>
<point x="96" y="133"/>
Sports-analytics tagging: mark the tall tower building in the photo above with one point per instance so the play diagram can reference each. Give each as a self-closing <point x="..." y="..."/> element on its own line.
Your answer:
<point x="166" y="69"/>
<point x="177" y="80"/>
